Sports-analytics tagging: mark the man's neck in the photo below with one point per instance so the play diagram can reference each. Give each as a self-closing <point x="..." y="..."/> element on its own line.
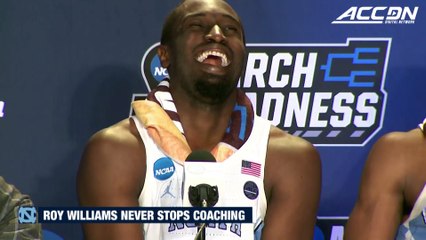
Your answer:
<point x="204" y="124"/>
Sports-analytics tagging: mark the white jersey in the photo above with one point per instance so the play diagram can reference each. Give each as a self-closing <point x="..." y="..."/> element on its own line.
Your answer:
<point x="422" y="124"/>
<point x="239" y="180"/>
<point x="414" y="228"/>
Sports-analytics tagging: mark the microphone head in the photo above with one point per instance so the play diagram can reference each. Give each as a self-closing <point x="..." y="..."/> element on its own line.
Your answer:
<point x="203" y="192"/>
<point x="200" y="156"/>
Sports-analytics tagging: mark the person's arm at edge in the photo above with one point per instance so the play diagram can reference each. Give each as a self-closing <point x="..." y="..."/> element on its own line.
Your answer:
<point x="378" y="210"/>
<point x="293" y="187"/>
<point x="111" y="173"/>
<point x="11" y="200"/>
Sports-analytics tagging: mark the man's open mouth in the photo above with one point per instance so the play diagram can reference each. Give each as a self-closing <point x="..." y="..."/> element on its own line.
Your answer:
<point x="214" y="58"/>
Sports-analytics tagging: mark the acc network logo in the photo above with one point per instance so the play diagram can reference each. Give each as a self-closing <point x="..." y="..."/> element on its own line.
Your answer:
<point x="330" y="94"/>
<point x="378" y="15"/>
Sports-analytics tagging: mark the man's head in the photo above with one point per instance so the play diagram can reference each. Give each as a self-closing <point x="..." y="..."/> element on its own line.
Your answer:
<point x="170" y="25"/>
<point x="203" y="48"/>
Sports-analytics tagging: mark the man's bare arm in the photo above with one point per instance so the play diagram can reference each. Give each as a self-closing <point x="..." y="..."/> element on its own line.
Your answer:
<point x="293" y="186"/>
<point x="111" y="173"/>
<point x="378" y="210"/>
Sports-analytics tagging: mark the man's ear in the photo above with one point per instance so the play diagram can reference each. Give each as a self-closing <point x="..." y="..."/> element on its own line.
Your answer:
<point x="163" y="53"/>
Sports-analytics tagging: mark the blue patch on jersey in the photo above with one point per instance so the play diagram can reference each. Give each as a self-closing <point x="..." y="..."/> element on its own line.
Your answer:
<point x="251" y="190"/>
<point x="416" y="228"/>
<point x="164" y="168"/>
<point x="258" y="231"/>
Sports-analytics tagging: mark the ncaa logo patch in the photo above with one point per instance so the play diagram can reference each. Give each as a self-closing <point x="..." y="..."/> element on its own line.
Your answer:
<point x="331" y="94"/>
<point x="251" y="190"/>
<point x="163" y="168"/>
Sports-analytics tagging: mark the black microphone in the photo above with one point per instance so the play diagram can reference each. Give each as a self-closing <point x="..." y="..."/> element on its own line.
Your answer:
<point x="202" y="195"/>
<point x="200" y="156"/>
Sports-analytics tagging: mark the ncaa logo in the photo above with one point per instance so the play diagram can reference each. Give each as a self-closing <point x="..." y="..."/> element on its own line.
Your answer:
<point x="331" y="94"/>
<point x="163" y="168"/>
<point x="152" y="71"/>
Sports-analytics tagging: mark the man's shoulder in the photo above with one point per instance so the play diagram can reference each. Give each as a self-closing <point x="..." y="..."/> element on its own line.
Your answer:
<point x="283" y="146"/>
<point x="120" y="132"/>
<point x="399" y="142"/>
<point x="281" y="139"/>
<point x="111" y="152"/>
<point x="120" y="138"/>
<point x="398" y="153"/>
<point x="288" y="158"/>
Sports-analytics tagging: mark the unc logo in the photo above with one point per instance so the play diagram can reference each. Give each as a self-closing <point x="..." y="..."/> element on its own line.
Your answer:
<point x="163" y="168"/>
<point x="27" y="215"/>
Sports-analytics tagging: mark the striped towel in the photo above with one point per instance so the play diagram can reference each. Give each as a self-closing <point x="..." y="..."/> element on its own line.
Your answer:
<point x="159" y="116"/>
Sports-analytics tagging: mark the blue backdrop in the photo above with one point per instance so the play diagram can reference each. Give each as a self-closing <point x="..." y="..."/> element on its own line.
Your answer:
<point x="71" y="68"/>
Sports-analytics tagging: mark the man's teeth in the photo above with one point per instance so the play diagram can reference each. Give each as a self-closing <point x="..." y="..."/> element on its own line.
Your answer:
<point x="206" y="54"/>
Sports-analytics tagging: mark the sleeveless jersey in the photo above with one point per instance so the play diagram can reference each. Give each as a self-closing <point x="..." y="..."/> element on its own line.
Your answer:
<point x="414" y="228"/>
<point x="239" y="180"/>
<point x="422" y="125"/>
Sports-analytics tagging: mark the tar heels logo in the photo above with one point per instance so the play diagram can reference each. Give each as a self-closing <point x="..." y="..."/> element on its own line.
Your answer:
<point x="27" y="215"/>
<point x="163" y="168"/>
<point x="330" y="93"/>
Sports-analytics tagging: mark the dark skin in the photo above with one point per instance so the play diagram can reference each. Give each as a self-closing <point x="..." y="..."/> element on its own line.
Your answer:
<point x="392" y="180"/>
<point x="112" y="169"/>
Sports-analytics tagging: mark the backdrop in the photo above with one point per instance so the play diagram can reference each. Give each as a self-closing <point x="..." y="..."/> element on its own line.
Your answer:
<point x="338" y="73"/>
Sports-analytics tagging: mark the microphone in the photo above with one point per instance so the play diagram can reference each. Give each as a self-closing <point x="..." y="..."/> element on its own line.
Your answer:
<point x="200" y="156"/>
<point x="202" y="195"/>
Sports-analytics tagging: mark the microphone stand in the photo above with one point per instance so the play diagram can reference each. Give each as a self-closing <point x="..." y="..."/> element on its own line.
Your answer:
<point x="203" y="195"/>
<point x="201" y="234"/>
